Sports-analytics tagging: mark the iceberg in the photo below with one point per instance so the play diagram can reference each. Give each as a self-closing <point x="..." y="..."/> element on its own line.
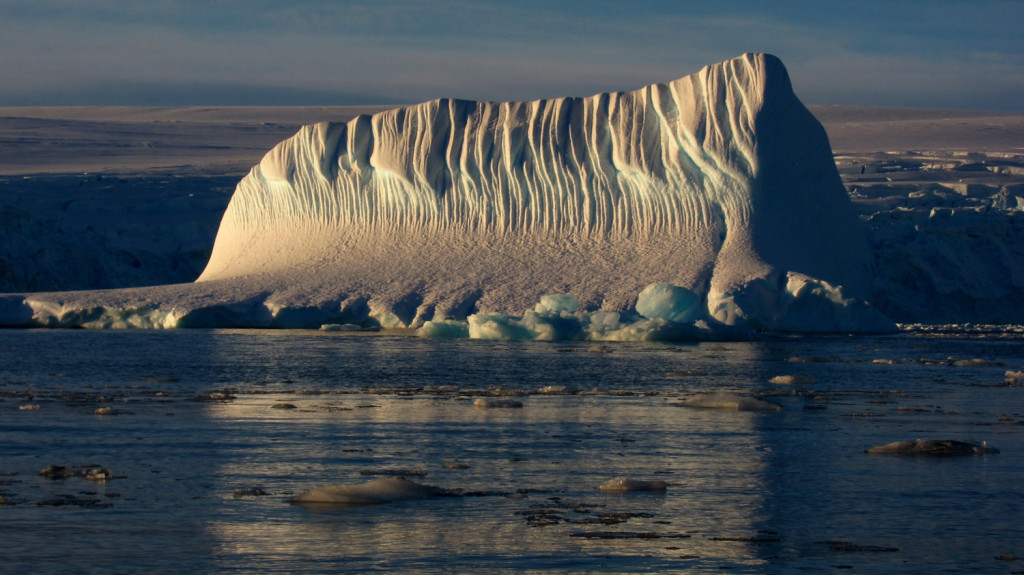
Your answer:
<point x="676" y="209"/>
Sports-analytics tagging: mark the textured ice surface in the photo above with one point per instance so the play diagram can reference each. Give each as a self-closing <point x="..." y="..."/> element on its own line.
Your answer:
<point x="720" y="183"/>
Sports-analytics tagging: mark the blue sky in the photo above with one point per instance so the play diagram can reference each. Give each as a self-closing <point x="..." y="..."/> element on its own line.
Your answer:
<point x="935" y="53"/>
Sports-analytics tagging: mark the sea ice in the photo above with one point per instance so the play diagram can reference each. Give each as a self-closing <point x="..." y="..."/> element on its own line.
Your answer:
<point x="792" y="380"/>
<point x="385" y="490"/>
<point x="494" y="402"/>
<point x="621" y="484"/>
<point x="727" y="400"/>
<point x="934" y="447"/>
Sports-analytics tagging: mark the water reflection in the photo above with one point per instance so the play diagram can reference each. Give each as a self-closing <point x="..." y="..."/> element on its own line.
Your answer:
<point x="753" y="492"/>
<point x="551" y="455"/>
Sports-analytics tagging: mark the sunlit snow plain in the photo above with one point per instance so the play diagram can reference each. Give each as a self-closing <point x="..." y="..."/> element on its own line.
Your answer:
<point x="209" y="433"/>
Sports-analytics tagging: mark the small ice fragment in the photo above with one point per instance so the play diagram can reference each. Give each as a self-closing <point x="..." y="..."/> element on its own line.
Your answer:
<point x="57" y="472"/>
<point x="249" y="492"/>
<point x="556" y="390"/>
<point x="792" y="380"/>
<point x="557" y="303"/>
<point x="934" y="448"/>
<point x="726" y="400"/>
<point x="98" y="475"/>
<point x="488" y="402"/>
<point x="621" y="485"/>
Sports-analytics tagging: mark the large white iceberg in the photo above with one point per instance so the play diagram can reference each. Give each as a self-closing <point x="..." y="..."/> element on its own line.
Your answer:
<point x="719" y="187"/>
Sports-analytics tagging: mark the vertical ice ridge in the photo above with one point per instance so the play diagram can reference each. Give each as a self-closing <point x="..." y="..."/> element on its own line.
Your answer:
<point x="613" y="164"/>
<point x="596" y="165"/>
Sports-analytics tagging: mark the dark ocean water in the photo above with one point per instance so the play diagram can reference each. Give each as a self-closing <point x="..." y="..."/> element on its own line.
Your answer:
<point x="193" y="419"/>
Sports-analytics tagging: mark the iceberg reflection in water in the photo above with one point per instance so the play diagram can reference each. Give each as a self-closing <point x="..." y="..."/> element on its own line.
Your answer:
<point x="214" y="431"/>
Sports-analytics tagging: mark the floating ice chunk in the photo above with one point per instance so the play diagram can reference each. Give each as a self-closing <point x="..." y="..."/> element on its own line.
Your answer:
<point x="496" y="326"/>
<point x="795" y="302"/>
<point x="444" y="329"/>
<point x="556" y="390"/>
<point x="621" y="485"/>
<point x="667" y="301"/>
<point x="389" y="320"/>
<point x="557" y="318"/>
<point x="557" y="303"/>
<point x="489" y="402"/>
<point x="552" y="325"/>
<point x="653" y="330"/>
<point x="375" y="491"/>
<point x="726" y="400"/>
<point x="50" y="314"/>
<point x="934" y="448"/>
<point x="792" y="380"/>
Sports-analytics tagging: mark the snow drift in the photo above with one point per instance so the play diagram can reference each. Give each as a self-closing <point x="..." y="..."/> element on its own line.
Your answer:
<point x="720" y="184"/>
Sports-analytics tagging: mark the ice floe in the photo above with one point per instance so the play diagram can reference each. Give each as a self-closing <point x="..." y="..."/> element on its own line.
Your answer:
<point x="934" y="447"/>
<point x="385" y="490"/>
<point x="622" y="484"/>
<point x="728" y="400"/>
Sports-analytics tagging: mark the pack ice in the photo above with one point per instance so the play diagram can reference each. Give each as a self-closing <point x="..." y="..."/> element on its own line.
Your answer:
<point x="682" y="209"/>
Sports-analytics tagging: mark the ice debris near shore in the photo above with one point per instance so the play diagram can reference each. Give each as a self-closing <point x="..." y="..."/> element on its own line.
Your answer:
<point x="716" y="194"/>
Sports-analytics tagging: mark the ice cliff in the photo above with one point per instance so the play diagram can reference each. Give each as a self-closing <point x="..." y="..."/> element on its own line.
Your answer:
<point x="720" y="183"/>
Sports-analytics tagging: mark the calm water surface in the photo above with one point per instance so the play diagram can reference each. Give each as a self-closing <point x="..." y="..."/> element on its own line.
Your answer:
<point x="748" y="492"/>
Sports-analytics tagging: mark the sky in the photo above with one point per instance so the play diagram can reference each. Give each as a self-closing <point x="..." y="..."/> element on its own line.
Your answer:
<point x="933" y="53"/>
